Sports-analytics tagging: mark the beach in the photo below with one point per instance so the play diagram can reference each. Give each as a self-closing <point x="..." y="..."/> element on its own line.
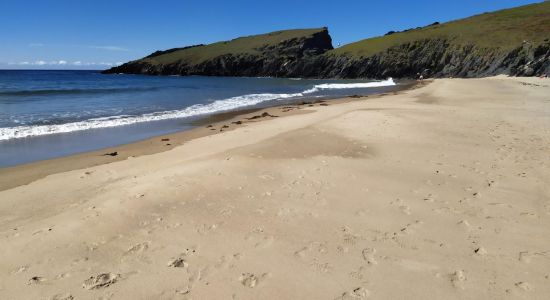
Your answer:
<point x="437" y="192"/>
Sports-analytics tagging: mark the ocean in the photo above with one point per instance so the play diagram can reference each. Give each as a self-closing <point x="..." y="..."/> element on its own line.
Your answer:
<point x="47" y="114"/>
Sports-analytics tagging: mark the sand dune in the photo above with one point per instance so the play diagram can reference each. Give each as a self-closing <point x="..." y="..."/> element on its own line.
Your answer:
<point x="437" y="193"/>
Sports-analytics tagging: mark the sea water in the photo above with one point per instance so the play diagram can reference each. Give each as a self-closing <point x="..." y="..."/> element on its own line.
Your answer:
<point x="47" y="114"/>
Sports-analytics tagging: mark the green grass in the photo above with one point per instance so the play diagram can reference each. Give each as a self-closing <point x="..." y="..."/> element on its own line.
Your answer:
<point x="505" y="29"/>
<point x="242" y="45"/>
<point x="502" y="30"/>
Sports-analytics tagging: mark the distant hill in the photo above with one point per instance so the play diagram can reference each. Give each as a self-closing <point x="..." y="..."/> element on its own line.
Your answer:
<point x="514" y="41"/>
<point x="269" y="54"/>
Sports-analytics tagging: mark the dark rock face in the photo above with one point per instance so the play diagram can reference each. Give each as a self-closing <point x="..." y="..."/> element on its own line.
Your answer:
<point x="274" y="60"/>
<point x="434" y="58"/>
<point x="309" y="58"/>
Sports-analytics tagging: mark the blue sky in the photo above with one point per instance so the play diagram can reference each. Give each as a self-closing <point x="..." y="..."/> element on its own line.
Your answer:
<point x="94" y="34"/>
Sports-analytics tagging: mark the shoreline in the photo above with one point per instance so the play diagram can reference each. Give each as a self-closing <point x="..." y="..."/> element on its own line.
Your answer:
<point x="14" y="176"/>
<point x="441" y="188"/>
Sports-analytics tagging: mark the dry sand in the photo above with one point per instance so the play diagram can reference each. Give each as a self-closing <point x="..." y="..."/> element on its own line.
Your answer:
<point x="437" y="193"/>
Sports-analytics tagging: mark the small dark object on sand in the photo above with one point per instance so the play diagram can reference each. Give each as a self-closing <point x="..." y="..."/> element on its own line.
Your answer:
<point x="355" y="96"/>
<point x="165" y="140"/>
<point x="263" y="115"/>
<point x="111" y="154"/>
<point x="323" y="104"/>
<point x="225" y="126"/>
<point x="304" y="103"/>
<point x="35" y="280"/>
<point x="168" y="144"/>
<point x="209" y="126"/>
<point x="238" y="122"/>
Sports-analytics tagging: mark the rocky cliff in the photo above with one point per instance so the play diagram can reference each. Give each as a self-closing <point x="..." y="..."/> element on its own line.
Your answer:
<point x="434" y="58"/>
<point x="273" y="54"/>
<point x="513" y="42"/>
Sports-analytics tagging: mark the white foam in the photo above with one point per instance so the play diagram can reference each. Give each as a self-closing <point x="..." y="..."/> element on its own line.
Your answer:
<point x="194" y="110"/>
<point x="360" y="85"/>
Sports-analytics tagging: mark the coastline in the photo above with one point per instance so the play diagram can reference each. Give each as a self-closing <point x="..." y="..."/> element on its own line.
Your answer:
<point x="22" y="174"/>
<point x="441" y="188"/>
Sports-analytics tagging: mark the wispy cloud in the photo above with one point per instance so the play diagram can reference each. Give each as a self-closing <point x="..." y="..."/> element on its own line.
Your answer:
<point x="109" y="48"/>
<point x="98" y="47"/>
<point x="62" y="63"/>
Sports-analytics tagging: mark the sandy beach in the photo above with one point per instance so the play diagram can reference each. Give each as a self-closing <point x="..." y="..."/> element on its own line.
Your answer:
<point x="439" y="192"/>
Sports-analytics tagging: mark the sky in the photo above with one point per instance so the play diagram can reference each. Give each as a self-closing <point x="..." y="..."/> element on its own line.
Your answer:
<point x="97" y="34"/>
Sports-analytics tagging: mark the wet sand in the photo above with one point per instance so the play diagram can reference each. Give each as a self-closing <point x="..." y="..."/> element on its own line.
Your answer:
<point x="25" y="173"/>
<point x="434" y="193"/>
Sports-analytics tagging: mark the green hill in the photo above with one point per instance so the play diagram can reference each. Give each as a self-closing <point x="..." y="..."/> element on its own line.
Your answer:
<point x="503" y="29"/>
<point x="249" y="45"/>
<point x="257" y="55"/>
<point x="513" y="41"/>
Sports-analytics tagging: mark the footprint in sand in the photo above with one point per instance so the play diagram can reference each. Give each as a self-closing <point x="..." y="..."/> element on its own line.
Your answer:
<point x="20" y="270"/>
<point x="138" y="248"/>
<point x="100" y="281"/>
<point x="204" y="229"/>
<point x="480" y="251"/>
<point x="402" y="206"/>
<point x="411" y="227"/>
<point x="358" y="274"/>
<point x="458" y="278"/>
<point x="79" y="260"/>
<point x="259" y="239"/>
<point x="313" y="248"/>
<point x="63" y="276"/>
<point x="355" y="294"/>
<point x="250" y="280"/>
<point x="178" y="262"/>
<point x="320" y="266"/>
<point x="523" y="286"/>
<point x="226" y="261"/>
<point x="62" y="297"/>
<point x="368" y="256"/>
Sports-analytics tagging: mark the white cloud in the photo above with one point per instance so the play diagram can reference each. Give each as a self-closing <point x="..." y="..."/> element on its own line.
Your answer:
<point x="99" y="47"/>
<point x="109" y="48"/>
<point x="63" y="63"/>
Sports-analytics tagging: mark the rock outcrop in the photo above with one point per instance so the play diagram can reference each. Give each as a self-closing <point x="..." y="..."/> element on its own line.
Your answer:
<point x="268" y="59"/>
<point x="514" y="42"/>
<point x="435" y="58"/>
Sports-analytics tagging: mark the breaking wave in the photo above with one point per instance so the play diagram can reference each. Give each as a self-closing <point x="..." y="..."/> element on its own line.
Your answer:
<point x="194" y="110"/>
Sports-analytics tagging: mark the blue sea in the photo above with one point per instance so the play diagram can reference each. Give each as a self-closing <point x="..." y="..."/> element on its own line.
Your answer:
<point x="47" y="114"/>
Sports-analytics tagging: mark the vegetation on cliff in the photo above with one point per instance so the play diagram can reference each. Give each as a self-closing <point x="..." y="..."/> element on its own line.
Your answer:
<point x="514" y="41"/>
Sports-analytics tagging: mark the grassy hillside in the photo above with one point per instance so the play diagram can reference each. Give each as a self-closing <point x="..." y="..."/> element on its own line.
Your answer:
<point x="482" y="45"/>
<point x="505" y="29"/>
<point x="242" y="45"/>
